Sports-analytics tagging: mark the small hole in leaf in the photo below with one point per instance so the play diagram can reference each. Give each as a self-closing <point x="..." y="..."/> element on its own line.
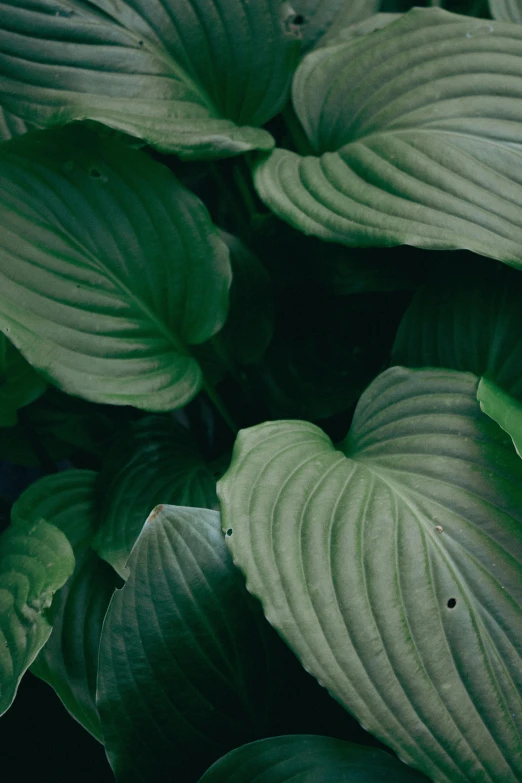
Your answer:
<point x="94" y="173"/>
<point x="451" y="603"/>
<point x="299" y="19"/>
<point x="140" y="43"/>
<point x="229" y="531"/>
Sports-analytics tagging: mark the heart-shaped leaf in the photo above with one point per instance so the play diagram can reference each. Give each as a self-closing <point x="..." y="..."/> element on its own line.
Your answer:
<point x="65" y="500"/>
<point x="308" y="759"/>
<point x="506" y="10"/>
<point x="155" y="461"/>
<point x="392" y="565"/>
<point x="36" y="559"/>
<point x="20" y="384"/>
<point x="467" y="324"/>
<point x="188" y="666"/>
<point x="109" y="269"/>
<point x="417" y="135"/>
<point x="188" y="76"/>
<point x="316" y="17"/>
<point x="69" y="660"/>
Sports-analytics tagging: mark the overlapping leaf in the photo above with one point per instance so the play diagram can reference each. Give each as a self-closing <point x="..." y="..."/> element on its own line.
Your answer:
<point x="506" y="10"/>
<point x="308" y="759"/>
<point x="467" y="323"/>
<point x="20" y="384"/>
<point x="155" y="461"/>
<point x="316" y="17"/>
<point x="36" y="559"/>
<point x="392" y="566"/>
<point x="189" y="668"/>
<point x="417" y="133"/>
<point x="11" y="126"/>
<point x="109" y="269"/>
<point x="503" y="409"/>
<point x="188" y="76"/>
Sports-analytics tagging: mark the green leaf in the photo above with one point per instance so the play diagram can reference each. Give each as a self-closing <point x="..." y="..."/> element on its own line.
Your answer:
<point x="317" y="17"/>
<point x="308" y="759"/>
<point x="503" y="409"/>
<point x="155" y="461"/>
<point x="469" y="323"/>
<point x="65" y="500"/>
<point x="342" y="33"/>
<point x="35" y="561"/>
<point x="188" y="666"/>
<point x="392" y="566"/>
<point x="506" y="10"/>
<point x="417" y="138"/>
<point x="69" y="660"/>
<point x="109" y="269"/>
<point x="19" y="383"/>
<point x="188" y="76"/>
<point x="11" y="126"/>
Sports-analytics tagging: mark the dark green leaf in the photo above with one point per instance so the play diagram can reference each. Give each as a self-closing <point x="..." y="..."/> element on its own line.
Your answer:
<point x="188" y="76"/>
<point x="11" y="126"/>
<point x="19" y="383"/>
<point x="154" y="461"/>
<point x="308" y="759"/>
<point x="392" y="565"/>
<point x="36" y="559"/>
<point x="109" y="269"/>
<point x="417" y="137"/>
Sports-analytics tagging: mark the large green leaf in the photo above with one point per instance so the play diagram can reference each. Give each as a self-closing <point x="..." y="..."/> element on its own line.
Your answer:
<point x="308" y="759"/>
<point x="154" y="461"/>
<point x="392" y="565"/>
<point x="506" y="10"/>
<point x="65" y="500"/>
<point x="467" y="323"/>
<point x="316" y="17"/>
<point x="188" y="666"/>
<point x="417" y="137"/>
<point x="188" y="76"/>
<point x="109" y="269"/>
<point x="36" y="559"/>
<point x="69" y="660"/>
<point x="503" y="409"/>
<point x="20" y="384"/>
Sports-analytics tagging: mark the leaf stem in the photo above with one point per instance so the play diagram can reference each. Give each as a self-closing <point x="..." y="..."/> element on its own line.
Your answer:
<point x="218" y="403"/>
<point x="296" y="131"/>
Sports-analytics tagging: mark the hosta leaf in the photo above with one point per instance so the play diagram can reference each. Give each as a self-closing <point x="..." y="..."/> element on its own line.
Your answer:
<point x="188" y="666"/>
<point x="35" y="561"/>
<point x="69" y="659"/>
<point x="417" y="133"/>
<point x="109" y="269"/>
<point x="467" y="324"/>
<point x="506" y="10"/>
<point x="65" y="500"/>
<point x="11" y="126"/>
<point x="308" y="759"/>
<point x="392" y="566"/>
<point x="340" y="34"/>
<point x="155" y="461"/>
<point x="188" y="76"/>
<point x="503" y="409"/>
<point x="316" y="17"/>
<point x="19" y="383"/>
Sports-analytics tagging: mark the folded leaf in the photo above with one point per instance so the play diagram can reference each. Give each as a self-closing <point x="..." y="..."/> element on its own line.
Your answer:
<point x="188" y="76"/>
<point x="155" y="461"/>
<point x="20" y="384"/>
<point x="417" y="134"/>
<point x="469" y="323"/>
<point x="35" y="561"/>
<point x="109" y="269"/>
<point x="392" y="565"/>
<point x="308" y="759"/>
<point x="503" y="409"/>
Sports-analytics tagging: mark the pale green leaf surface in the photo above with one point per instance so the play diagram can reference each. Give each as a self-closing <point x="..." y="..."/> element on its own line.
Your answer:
<point x="320" y="16"/>
<point x="109" y="269"/>
<point x="392" y="566"/>
<point x="341" y="34"/>
<point x="36" y="559"/>
<point x="155" y="461"/>
<point x="20" y="384"/>
<point x="188" y="76"/>
<point x="503" y="409"/>
<point x="64" y="499"/>
<point x="308" y="759"/>
<point x="417" y="135"/>
<point x="506" y="10"/>
<point x="465" y="322"/>
<point x="69" y="660"/>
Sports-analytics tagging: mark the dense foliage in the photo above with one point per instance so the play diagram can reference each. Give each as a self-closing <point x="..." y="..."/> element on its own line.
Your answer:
<point x="261" y="384"/>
